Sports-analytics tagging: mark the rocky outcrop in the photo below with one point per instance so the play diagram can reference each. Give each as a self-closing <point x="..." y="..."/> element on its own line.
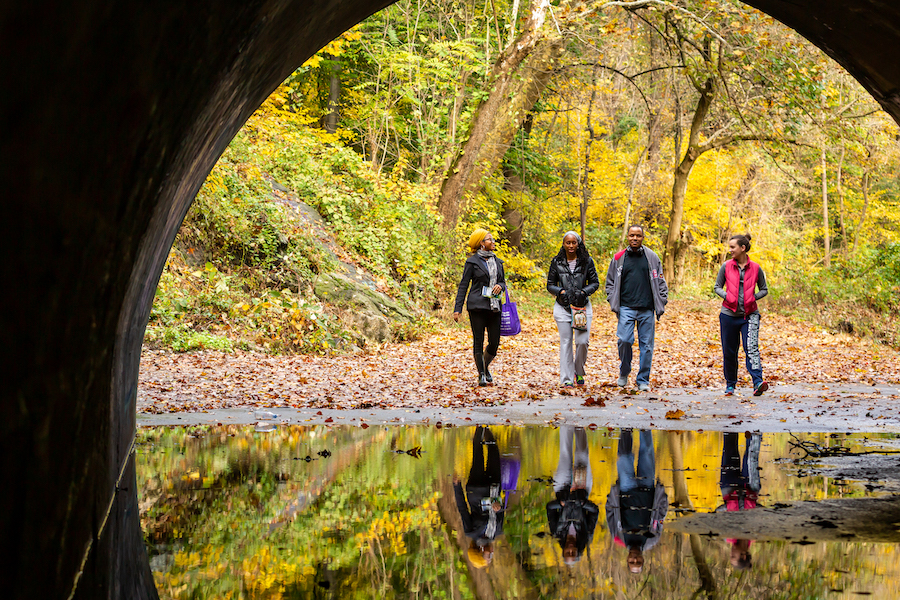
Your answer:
<point x="350" y="288"/>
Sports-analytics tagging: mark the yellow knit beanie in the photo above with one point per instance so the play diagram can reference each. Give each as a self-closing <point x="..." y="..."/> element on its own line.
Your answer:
<point x="475" y="239"/>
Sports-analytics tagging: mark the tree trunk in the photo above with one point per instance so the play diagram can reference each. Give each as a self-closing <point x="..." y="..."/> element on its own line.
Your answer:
<point x="634" y="179"/>
<point x="825" y="222"/>
<point x="739" y="197"/>
<point x="500" y="114"/>
<point x="676" y="215"/>
<point x="586" y="175"/>
<point x="840" y="192"/>
<point x="450" y="515"/>
<point x="510" y="211"/>
<point x="334" y="98"/>
<point x="682" y="501"/>
<point x="862" y="217"/>
<point x="682" y="173"/>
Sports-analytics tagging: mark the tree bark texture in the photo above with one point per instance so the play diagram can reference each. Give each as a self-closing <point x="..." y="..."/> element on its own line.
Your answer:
<point x="334" y="98"/>
<point x="512" y="95"/>
<point x="682" y="173"/>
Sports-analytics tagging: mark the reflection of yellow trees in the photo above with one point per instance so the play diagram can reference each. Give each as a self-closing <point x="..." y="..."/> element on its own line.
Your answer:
<point x="389" y="528"/>
<point x="241" y="517"/>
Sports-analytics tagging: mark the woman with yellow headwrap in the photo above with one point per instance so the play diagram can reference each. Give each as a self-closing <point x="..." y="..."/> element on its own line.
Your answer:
<point x="484" y="280"/>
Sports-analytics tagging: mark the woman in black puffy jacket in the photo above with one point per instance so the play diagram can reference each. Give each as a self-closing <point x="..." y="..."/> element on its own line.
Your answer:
<point x="572" y="278"/>
<point x="482" y="274"/>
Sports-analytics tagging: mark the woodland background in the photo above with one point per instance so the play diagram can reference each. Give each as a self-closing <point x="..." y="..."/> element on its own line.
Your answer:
<point x="697" y="119"/>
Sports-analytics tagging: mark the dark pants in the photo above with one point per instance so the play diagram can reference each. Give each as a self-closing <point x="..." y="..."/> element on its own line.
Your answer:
<point x="736" y="473"/>
<point x="481" y="320"/>
<point x="481" y="475"/>
<point x="733" y="331"/>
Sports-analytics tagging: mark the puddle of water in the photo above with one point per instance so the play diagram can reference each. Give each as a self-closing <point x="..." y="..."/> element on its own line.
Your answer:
<point x="341" y="512"/>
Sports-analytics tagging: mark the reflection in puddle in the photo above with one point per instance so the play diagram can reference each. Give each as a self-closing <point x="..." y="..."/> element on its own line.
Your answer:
<point x="504" y="512"/>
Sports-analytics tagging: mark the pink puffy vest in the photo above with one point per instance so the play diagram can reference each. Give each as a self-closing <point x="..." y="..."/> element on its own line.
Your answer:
<point x="733" y="282"/>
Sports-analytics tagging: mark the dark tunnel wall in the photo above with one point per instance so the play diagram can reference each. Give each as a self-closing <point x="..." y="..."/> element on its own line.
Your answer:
<point x="862" y="35"/>
<point x="112" y="114"/>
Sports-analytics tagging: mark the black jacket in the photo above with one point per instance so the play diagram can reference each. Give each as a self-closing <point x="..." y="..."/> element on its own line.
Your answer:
<point x="475" y="520"/>
<point x="583" y="279"/>
<point x="577" y="511"/>
<point x="475" y="272"/>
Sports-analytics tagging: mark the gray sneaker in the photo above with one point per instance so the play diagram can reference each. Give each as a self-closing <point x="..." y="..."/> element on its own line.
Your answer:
<point x="623" y="381"/>
<point x="644" y="387"/>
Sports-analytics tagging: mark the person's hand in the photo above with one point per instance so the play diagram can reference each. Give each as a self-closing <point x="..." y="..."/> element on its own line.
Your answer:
<point x="496" y="506"/>
<point x="456" y="317"/>
<point x="496" y="289"/>
<point x="580" y="298"/>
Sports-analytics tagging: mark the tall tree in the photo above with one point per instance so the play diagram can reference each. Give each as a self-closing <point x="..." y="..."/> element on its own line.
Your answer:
<point x="512" y="92"/>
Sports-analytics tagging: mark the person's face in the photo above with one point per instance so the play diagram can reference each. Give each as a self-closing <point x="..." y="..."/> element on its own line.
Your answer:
<point x="570" y="551"/>
<point x="635" y="561"/>
<point x="635" y="237"/>
<point x="736" y="250"/>
<point x="740" y="553"/>
<point x="488" y="243"/>
<point x="570" y="243"/>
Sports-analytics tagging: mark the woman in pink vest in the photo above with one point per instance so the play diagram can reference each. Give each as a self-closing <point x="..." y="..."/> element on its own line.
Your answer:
<point x="741" y="282"/>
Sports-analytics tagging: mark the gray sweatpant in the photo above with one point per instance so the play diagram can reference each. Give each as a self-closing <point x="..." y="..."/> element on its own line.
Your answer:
<point x="570" y="366"/>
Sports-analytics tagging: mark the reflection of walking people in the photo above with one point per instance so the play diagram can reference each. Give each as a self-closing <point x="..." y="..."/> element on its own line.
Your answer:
<point x="637" y="293"/>
<point x="572" y="278"/>
<point x="740" y="485"/>
<point x="571" y="516"/>
<point x="479" y="507"/>
<point x="484" y="271"/>
<point x="737" y="283"/>
<point x="637" y="503"/>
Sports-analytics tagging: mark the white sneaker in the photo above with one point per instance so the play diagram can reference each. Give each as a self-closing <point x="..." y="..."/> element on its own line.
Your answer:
<point x="644" y="387"/>
<point x="623" y="381"/>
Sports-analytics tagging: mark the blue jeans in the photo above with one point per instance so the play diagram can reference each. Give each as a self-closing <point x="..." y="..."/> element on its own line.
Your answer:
<point x="733" y="331"/>
<point x="646" y="465"/>
<point x="644" y="318"/>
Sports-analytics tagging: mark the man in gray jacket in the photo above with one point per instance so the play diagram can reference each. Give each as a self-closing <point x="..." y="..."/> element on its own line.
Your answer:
<point x="636" y="291"/>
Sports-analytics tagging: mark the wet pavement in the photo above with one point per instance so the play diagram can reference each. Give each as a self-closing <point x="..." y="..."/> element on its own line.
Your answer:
<point x="398" y="510"/>
<point x="814" y="407"/>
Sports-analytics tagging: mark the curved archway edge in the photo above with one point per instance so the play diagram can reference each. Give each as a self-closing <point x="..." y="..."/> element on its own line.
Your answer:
<point x="113" y="114"/>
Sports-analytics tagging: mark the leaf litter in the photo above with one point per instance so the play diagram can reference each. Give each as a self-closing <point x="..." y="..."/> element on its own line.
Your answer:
<point x="438" y="371"/>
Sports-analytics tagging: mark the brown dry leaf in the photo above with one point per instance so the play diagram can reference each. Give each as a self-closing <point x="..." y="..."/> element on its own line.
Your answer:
<point x="675" y="414"/>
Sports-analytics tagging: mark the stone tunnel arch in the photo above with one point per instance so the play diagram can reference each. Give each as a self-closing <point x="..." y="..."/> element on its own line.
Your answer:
<point x="113" y="114"/>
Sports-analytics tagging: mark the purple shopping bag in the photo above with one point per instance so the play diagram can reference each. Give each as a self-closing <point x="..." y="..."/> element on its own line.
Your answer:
<point x="509" y="476"/>
<point x="509" y="318"/>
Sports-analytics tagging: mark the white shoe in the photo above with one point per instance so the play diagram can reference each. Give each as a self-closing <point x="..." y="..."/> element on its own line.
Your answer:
<point x="644" y="387"/>
<point x="623" y="381"/>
